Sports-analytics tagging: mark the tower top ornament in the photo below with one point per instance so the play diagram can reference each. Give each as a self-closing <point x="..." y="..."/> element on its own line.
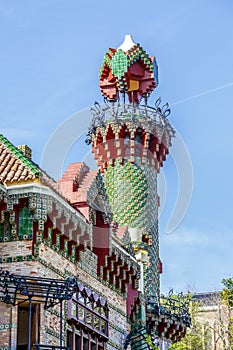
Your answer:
<point x="128" y="70"/>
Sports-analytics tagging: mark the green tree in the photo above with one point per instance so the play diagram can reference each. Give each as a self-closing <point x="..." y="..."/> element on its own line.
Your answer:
<point x="227" y="297"/>
<point x="150" y="343"/>
<point x="227" y="293"/>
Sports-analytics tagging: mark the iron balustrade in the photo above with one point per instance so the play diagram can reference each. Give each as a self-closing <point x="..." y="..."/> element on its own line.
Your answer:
<point x="87" y="310"/>
<point x="120" y="111"/>
<point x="50" y="347"/>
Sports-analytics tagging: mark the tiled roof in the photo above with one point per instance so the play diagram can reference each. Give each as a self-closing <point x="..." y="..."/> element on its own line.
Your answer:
<point x="14" y="166"/>
<point x="74" y="185"/>
<point x="207" y="299"/>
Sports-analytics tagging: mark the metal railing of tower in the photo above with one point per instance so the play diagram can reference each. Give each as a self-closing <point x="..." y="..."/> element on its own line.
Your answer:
<point x="176" y="305"/>
<point x="116" y="111"/>
<point x="16" y="290"/>
<point x="172" y="308"/>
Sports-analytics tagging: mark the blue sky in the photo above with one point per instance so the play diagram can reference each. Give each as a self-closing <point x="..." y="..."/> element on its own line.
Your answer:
<point x="50" y="55"/>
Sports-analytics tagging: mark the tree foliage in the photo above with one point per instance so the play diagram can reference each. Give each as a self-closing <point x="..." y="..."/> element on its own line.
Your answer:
<point x="227" y="293"/>
<point x="227" y="297"/>
<point x="150" y="342"/>
<point x="199" y="335"/>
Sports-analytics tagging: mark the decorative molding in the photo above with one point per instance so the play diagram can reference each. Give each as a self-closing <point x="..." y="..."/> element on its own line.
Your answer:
<point x="7" y="326"/>
<point x="18" y="258"/>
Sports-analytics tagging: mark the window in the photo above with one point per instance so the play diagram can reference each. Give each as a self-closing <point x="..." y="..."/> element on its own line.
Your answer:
<point x="84" y="341"/>
<point x="88" y="319"/>
<point x="25" y="223"/>
<point x="5" y="228"/>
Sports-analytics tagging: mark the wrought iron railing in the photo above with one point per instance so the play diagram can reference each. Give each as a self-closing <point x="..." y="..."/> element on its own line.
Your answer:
<point x="50" y="347"/>
<point x="118" y="111"/>
<point x="176" y="305"/>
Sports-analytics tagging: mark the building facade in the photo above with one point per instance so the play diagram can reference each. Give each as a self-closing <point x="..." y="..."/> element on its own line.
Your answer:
<point x="79" y="257"/>
<point x="214" y="317"/>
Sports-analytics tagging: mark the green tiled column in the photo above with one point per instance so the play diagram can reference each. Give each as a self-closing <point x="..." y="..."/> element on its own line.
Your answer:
<point x="132" y="192"/>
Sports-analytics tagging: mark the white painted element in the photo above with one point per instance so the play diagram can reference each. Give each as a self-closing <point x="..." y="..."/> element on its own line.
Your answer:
<point x="135" y="234"/>
<point x="164" y="344"/>
<point x="141" y="281"/>
<point x="138" y="256"/>
<point x="127" y="44"/>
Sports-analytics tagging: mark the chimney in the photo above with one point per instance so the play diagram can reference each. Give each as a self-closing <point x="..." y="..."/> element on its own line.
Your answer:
<point x="27" y="152"/>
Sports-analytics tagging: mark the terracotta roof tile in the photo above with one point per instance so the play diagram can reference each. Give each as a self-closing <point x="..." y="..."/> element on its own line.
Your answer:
<point x="14" y="166"/>
<point x="73" y="186"/>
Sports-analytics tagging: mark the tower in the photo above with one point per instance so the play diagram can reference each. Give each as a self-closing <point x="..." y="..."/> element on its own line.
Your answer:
<point x="130" y="141"/>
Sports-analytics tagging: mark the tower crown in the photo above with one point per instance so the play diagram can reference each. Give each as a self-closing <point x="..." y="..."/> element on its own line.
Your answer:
<point x="128" y="70"/>
<point x="132" y="132"/>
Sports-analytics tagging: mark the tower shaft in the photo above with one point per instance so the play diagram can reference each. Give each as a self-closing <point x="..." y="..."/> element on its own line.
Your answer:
<point x="132" y="193"/>
<point x="130" y="149"/>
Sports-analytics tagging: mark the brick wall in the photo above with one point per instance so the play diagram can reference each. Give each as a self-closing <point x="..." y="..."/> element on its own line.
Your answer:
<point x="52" y="265"/>
<point x="15" y="251"/>
<point x="8" y="325"/>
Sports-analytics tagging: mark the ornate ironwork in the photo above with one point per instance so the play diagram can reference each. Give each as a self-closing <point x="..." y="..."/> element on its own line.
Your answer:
<point x="90" y="311"/>
<point x="14" y="288"/>
<point x="176" y="305"/>
<point x="172" y="308"/>
<point x="116" y="111"/>
<point x="49" y="347"/>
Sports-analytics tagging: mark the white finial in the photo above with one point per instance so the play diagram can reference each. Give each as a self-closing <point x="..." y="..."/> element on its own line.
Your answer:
<point x="127" y="44"/>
